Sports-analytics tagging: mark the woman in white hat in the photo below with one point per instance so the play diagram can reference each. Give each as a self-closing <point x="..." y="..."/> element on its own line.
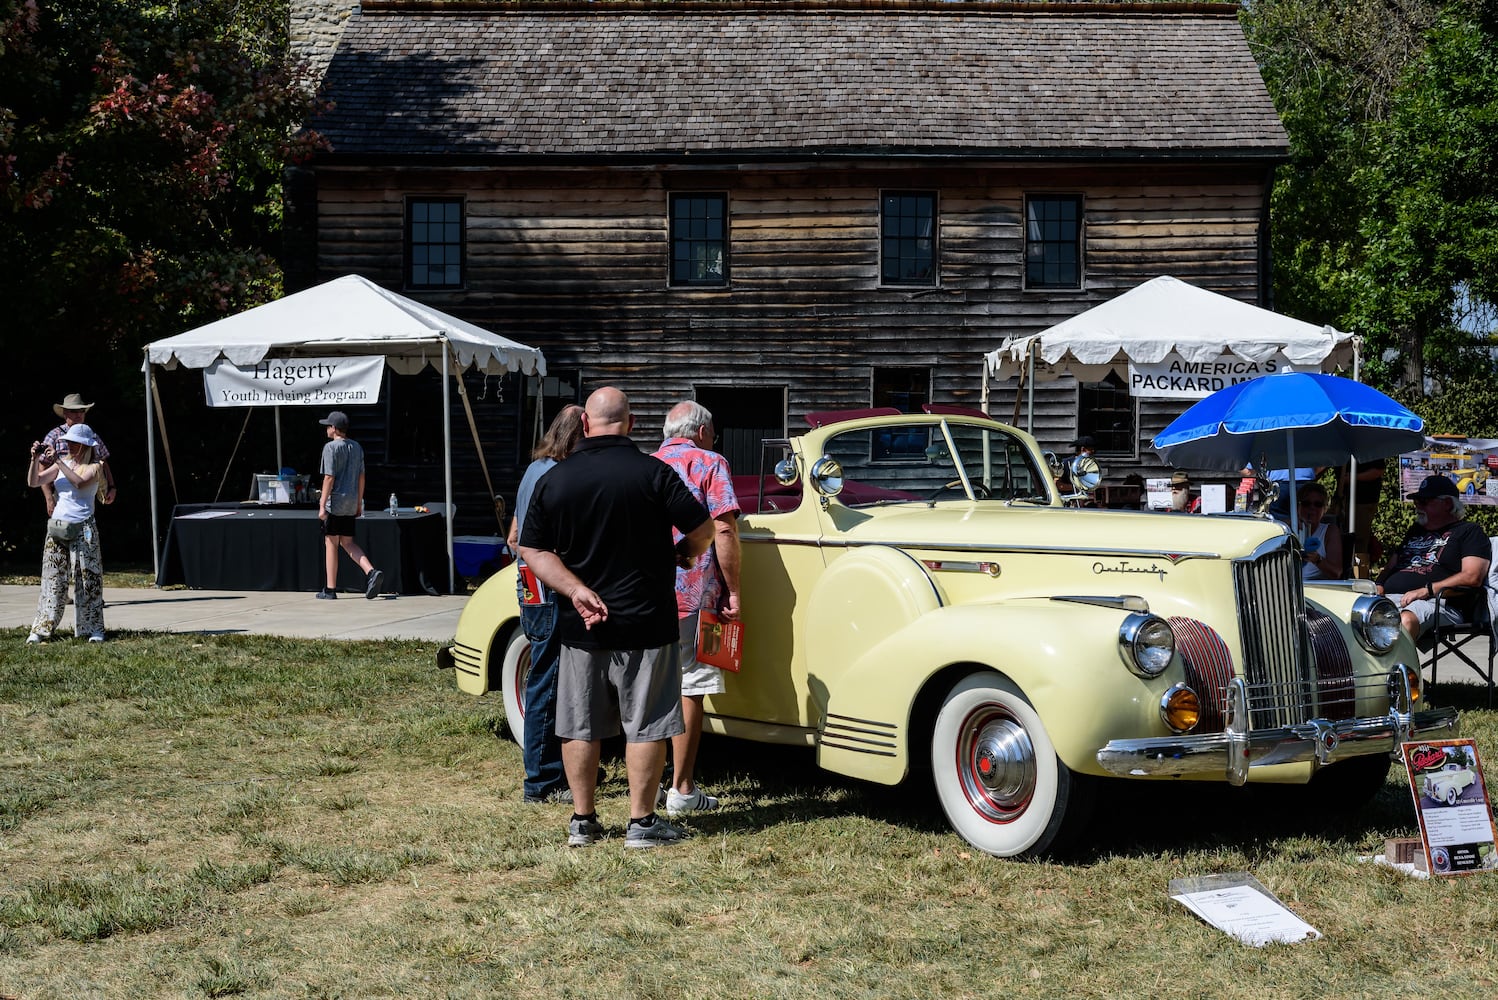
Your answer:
<point x="72" y="536"/>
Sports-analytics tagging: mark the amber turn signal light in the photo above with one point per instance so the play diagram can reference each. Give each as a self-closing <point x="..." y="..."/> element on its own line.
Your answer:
<point x="1180" y="709"/>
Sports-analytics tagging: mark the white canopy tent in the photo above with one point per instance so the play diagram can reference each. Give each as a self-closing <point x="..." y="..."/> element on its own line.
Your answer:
<point x="1162" y="316"/>
<point x="347" y="316"/>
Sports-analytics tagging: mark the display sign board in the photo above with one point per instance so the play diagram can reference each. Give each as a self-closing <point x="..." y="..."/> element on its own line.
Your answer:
<point x="1451" y="800"/>
<point x="1174" y="377"/>
<point x="1471" y="463"/>
<point x="330" y="382"/>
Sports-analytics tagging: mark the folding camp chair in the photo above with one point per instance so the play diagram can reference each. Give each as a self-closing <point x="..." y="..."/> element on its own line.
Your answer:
<point x="1456" y="638"/>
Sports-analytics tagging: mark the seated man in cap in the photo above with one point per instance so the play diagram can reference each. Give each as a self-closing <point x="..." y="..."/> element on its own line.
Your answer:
<point x="1441" y="550"/>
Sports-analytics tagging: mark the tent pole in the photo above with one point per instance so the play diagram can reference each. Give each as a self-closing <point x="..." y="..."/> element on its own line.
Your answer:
<point x="151" y="472"/>
<point x="1030" y="390"/>
<point x="983" y="399"/>
<point x="447" y="462"/>
<point x="1294" y="510"/>
<point x="279" y="464"/>
<point x="1352" y="465"/>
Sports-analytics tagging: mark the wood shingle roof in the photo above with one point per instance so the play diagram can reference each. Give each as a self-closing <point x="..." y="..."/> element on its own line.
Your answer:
<point x="762" y="81"/>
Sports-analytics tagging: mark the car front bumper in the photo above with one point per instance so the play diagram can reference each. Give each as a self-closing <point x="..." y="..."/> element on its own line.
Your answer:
<point x="1238" y="748"/>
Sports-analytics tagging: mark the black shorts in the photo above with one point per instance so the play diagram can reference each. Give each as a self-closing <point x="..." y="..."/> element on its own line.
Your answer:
<point x="339" y="524"/>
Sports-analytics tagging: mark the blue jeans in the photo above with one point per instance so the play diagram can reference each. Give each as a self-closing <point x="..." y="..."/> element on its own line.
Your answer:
<point x="540" y="749"/>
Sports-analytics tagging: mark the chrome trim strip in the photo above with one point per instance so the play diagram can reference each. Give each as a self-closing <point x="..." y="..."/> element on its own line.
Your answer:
<point x="1123" y="602"/>
<point x="863" y="750"/>
<point x="748" y="535"/>
<point x="866" y="722"/>
<point x="844" y="737"/>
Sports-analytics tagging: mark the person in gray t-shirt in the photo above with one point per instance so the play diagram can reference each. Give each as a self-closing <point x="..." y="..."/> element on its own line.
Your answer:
<point x="341" y="503"/>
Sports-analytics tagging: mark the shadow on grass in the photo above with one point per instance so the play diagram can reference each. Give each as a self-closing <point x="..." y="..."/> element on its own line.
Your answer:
<point x="1131" y="818"/>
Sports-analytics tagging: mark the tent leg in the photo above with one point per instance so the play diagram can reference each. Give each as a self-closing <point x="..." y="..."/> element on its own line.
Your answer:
<point x="447" y="464"/>
<point x="151" y="472"/>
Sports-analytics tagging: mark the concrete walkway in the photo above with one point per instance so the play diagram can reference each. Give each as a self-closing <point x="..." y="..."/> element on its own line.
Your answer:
<point x="222" y="612"/>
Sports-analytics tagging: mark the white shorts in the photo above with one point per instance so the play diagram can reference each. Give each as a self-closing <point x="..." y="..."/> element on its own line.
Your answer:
<point x="696" y="678"/>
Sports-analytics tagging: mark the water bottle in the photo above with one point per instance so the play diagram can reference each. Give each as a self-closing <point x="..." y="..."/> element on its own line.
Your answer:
<point x="395" y="506"/>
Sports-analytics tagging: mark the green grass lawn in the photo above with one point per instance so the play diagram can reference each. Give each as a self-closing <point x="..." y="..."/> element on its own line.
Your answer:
<point x="191" y="816"/>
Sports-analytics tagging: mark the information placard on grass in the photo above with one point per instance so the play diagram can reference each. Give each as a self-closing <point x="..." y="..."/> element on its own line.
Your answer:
<point x="1451" y="801"/>
<point x="1238" y="904"/>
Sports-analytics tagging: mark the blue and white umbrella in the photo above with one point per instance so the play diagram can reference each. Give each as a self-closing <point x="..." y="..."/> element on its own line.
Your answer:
<point x="1289" y="420"/>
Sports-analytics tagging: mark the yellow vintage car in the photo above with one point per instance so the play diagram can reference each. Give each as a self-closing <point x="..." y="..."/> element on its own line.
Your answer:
<point x="920" y="605"/>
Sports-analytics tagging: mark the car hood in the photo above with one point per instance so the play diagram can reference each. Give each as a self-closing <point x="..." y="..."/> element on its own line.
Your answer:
<point x="1001" y="527"/>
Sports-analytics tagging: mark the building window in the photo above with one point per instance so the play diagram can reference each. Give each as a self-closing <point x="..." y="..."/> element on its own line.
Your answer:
<point x="699" y="239"/>
<point x="434" y="243"/>
<point x="907" y="228"/>
<point x="1105" y="412"/>
<point x="907" y="390"/>
<point x="1053" y="242"/>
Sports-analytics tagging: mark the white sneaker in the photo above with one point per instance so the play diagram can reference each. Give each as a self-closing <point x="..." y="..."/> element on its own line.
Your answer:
<point x="96" y="637"/>
<point x="33" y="638"/>
<point x="698" y="801"/>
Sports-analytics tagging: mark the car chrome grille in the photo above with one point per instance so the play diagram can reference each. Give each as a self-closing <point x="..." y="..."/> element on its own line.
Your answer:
<point x="1277" y="659"/>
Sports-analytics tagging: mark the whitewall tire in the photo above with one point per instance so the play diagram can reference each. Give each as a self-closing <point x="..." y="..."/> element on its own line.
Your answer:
<point x="997" y="775"/>
<point x="513" y="673"/>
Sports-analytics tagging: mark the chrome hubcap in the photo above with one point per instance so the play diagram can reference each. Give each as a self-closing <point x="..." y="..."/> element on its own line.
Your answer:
<point x="996" y="763"/>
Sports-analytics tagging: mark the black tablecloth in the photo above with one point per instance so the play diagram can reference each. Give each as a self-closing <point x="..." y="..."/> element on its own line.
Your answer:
<point x="276" y="547"/>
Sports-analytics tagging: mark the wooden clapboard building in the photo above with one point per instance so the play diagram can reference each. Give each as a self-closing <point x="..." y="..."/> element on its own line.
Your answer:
<point x="779" y="208"/>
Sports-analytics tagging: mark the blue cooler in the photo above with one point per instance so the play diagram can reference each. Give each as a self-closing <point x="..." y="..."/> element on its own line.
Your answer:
<point x="477" y="556"/>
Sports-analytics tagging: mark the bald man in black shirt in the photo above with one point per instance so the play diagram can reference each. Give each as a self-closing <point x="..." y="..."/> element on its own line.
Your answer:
<point x="598" y="532"/>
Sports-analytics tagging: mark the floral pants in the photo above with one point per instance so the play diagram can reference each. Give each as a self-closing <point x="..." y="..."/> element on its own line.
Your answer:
<point x="88" y="584"/>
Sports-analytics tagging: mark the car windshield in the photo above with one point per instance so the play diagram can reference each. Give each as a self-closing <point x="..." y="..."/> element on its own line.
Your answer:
<point x="925" y="462"/>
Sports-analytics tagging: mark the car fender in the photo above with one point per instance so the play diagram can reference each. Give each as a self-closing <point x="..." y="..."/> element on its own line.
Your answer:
<point x="1052" y="650"/>
<point x="488" y="615"/>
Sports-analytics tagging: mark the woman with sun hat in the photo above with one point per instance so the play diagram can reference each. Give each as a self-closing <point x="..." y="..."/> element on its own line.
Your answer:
<point x="72" y="536"/>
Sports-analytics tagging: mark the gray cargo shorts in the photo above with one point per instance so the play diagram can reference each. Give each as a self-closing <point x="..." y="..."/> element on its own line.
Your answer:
<point x="601" y="692"/>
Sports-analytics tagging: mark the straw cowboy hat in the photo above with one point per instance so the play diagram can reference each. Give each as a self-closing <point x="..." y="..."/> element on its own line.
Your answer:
<point x="74" y="401"/>
<point x="1180" y="479"/>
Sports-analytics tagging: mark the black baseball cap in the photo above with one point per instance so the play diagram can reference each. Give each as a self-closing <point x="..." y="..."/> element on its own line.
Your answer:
<point x="336" y="420"/>
<point x="1085" y="441"/>
<point x="1435" y="486"/>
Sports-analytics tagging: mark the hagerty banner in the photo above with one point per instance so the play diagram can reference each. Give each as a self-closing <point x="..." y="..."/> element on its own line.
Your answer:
<point x="1174" y="377"/>
<point x="295" y="382"/>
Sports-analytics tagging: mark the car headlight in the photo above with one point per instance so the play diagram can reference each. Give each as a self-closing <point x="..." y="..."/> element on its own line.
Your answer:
<point x="1375" y="620"/>
<point x="1147" y="644"/>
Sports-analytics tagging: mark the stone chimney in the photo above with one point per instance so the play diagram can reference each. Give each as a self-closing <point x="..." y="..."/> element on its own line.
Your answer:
<point x="315" y="28"/>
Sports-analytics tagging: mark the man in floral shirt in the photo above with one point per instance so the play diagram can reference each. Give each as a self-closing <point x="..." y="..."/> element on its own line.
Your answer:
<point x="711" y="583"/>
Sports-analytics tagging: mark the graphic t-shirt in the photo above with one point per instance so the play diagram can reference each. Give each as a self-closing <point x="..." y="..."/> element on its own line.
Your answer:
<point x="1428" y="557"/>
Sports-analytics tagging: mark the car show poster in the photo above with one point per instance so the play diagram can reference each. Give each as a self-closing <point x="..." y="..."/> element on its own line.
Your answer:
<point x="1451" y="801"/>
<point x="1470" y="463"/>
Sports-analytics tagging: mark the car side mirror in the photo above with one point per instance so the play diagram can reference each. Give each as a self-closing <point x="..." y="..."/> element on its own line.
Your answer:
<point x="827" y="476"/>
<point x="786" y="472"/>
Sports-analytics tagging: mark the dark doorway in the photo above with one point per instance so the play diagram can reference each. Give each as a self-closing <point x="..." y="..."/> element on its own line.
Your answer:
<point x="743" y="418"/>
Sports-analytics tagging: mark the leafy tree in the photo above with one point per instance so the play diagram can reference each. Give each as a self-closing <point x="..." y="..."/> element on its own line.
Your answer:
<point x="142" y="147"/>
<point x="1382" y="223"/>
<point x="1429" y="232"/>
